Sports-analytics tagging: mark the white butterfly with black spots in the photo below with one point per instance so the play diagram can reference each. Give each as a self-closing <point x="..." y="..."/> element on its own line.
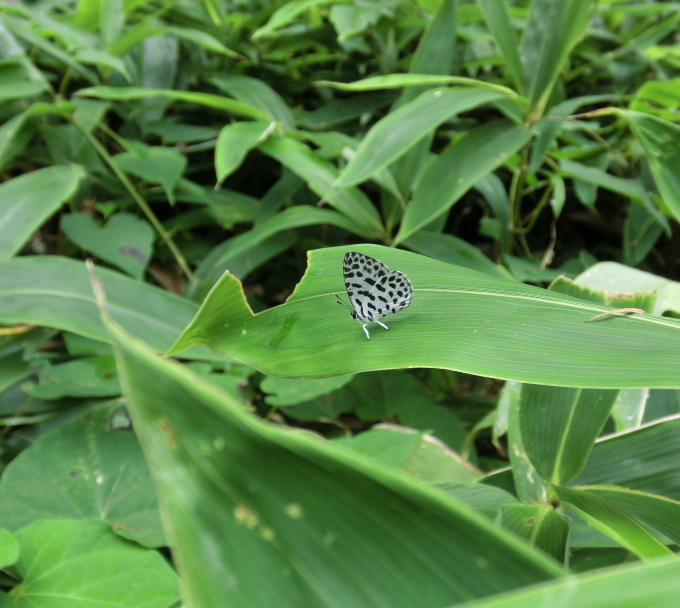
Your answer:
<point x="374" y="290"/>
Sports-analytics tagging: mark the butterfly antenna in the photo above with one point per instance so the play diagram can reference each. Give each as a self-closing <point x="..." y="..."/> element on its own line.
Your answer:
<point x="340" y="301"/>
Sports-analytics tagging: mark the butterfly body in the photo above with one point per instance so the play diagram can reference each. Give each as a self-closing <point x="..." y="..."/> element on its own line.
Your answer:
<point x="374" y="290"/>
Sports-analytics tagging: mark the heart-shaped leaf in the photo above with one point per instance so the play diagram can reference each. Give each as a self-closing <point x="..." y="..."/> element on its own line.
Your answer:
<point x="125" y="241"/>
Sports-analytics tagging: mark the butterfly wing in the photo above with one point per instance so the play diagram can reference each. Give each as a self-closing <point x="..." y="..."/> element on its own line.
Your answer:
<point x="373" y="290"/>
<point x="359" y="272"/>
<point x="394" y="292"/>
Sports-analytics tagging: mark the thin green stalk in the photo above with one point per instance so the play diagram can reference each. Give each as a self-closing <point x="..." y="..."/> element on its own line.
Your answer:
<point x="516" y="190"/>
<point x="528" y="223"/>
<point x="122" y="176"/>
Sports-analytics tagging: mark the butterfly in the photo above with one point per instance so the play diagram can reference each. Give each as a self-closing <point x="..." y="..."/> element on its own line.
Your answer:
<point x="373" y="289"/>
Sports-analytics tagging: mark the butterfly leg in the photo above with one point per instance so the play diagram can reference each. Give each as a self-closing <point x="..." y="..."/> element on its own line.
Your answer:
<point x="379" y="323"/>
<point x="366" y="331"/>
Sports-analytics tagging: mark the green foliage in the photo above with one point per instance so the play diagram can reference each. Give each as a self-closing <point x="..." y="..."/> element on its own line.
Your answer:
<point x="217" y="160"/>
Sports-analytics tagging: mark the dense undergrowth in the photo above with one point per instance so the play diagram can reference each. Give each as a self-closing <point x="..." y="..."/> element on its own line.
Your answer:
<point x="498" y="446"/>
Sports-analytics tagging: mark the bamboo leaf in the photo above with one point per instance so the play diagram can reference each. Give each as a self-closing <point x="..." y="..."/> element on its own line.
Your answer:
<point x="559" y="426"/>
<point x="661" y="142"/>
<point x="28" y="200"/>
<point x="456" y="170"/>
<point x="390" y="137"/>
<point x="459" y="319"/>
<point x="540" y="525"/>
<point x="498" y="19"/>
<point x="658" y="512"/>
<point x="613" y="521"/>
<point x="56" y="292"/>
<point x="652" y="584"/>
<point x="320" y="175"/>
<point x="295" y="521"/>
<point x="218" y="102"/>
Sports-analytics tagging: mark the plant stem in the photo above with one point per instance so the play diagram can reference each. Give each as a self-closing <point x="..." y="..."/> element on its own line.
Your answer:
<point x="155" y="222"/>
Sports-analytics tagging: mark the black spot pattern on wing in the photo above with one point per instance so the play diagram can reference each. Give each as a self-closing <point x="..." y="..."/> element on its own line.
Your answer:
<point x="373" y="289"/>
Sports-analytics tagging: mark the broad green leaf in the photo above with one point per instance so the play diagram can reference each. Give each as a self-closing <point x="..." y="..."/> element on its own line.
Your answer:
<point x="82" y="563"/>
<point x="346" y="110"/>
<point x="296" y="521"/>
<point x="528" y="484"/>
<point x="394" y="395"/>
<point x="493" y="190"/>
<point x="15" y="133"/>
<point x="217" y="102"/>
<point x="320" y="175"/>
<point x="613" y="521"/>
<point x="56" y="292"/>
<point x="159" y="69"/>
<point x="487" y="500"/>
<point x="529" y="270"/>
<point x="596" y="161"/>
<point x="498" y="19"/>
<point x="103" y="60"/>
<point x="30" y="199"/>
<point x="559" y="195"/>
<point x="435" y="54"/>
<point x="646" y="301"/>
<point x="231" y="378"/>
<point x="459" y="319"/>
<point x="644" y="459"/>
<point x="328" y="407"/>
<point x="88" y="468"/>
<point x="456" y="170"/>
<point x="659" y="98"/>
<point x="23" y="30"/>
<point x="541" y="525"/>
<point x="661" y="142"/>
<point x="626" y="187"/>
<point x="452" y="250"/>
<point x="661" y="404"/>
<point x="658" y="512"/>
<point x="17" y="82"/>
<point x="652" y="584"/>
<point x="111" y="21"/>
<point x="9" y="549"/>
<point x="289" y="391"/>
<point x="13" y="368"/>
<point x="234" y="143"/>
<point x="138" y="33"/>
<point x="617" y="278"/>
<point x="557" y="120"/>
<point x="173" y="132"/>
<point x="155" y="165"/>
<point x="415" y="452"/>
<point x="641" y="232"/>
<point x="350" y="20"/>
<point x="333" y="144"/>
<point x="390" y="137"/>
<point x="629" y="408"/>
<point x="285" y="14"/>
<point x="397" y="81"/>
<point x="84" y="377"/>
<point x="125" y="241"/>
<point x="213" y="265"/>
<point x="629" y="405"/>
<point x="258" y="94"/>
<point x="552" y="30"/>
<point x="560" y="425"/>
<point x="436" y="49"/>
<point x="598" y="177"/>
<point x="289" y="219"/>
